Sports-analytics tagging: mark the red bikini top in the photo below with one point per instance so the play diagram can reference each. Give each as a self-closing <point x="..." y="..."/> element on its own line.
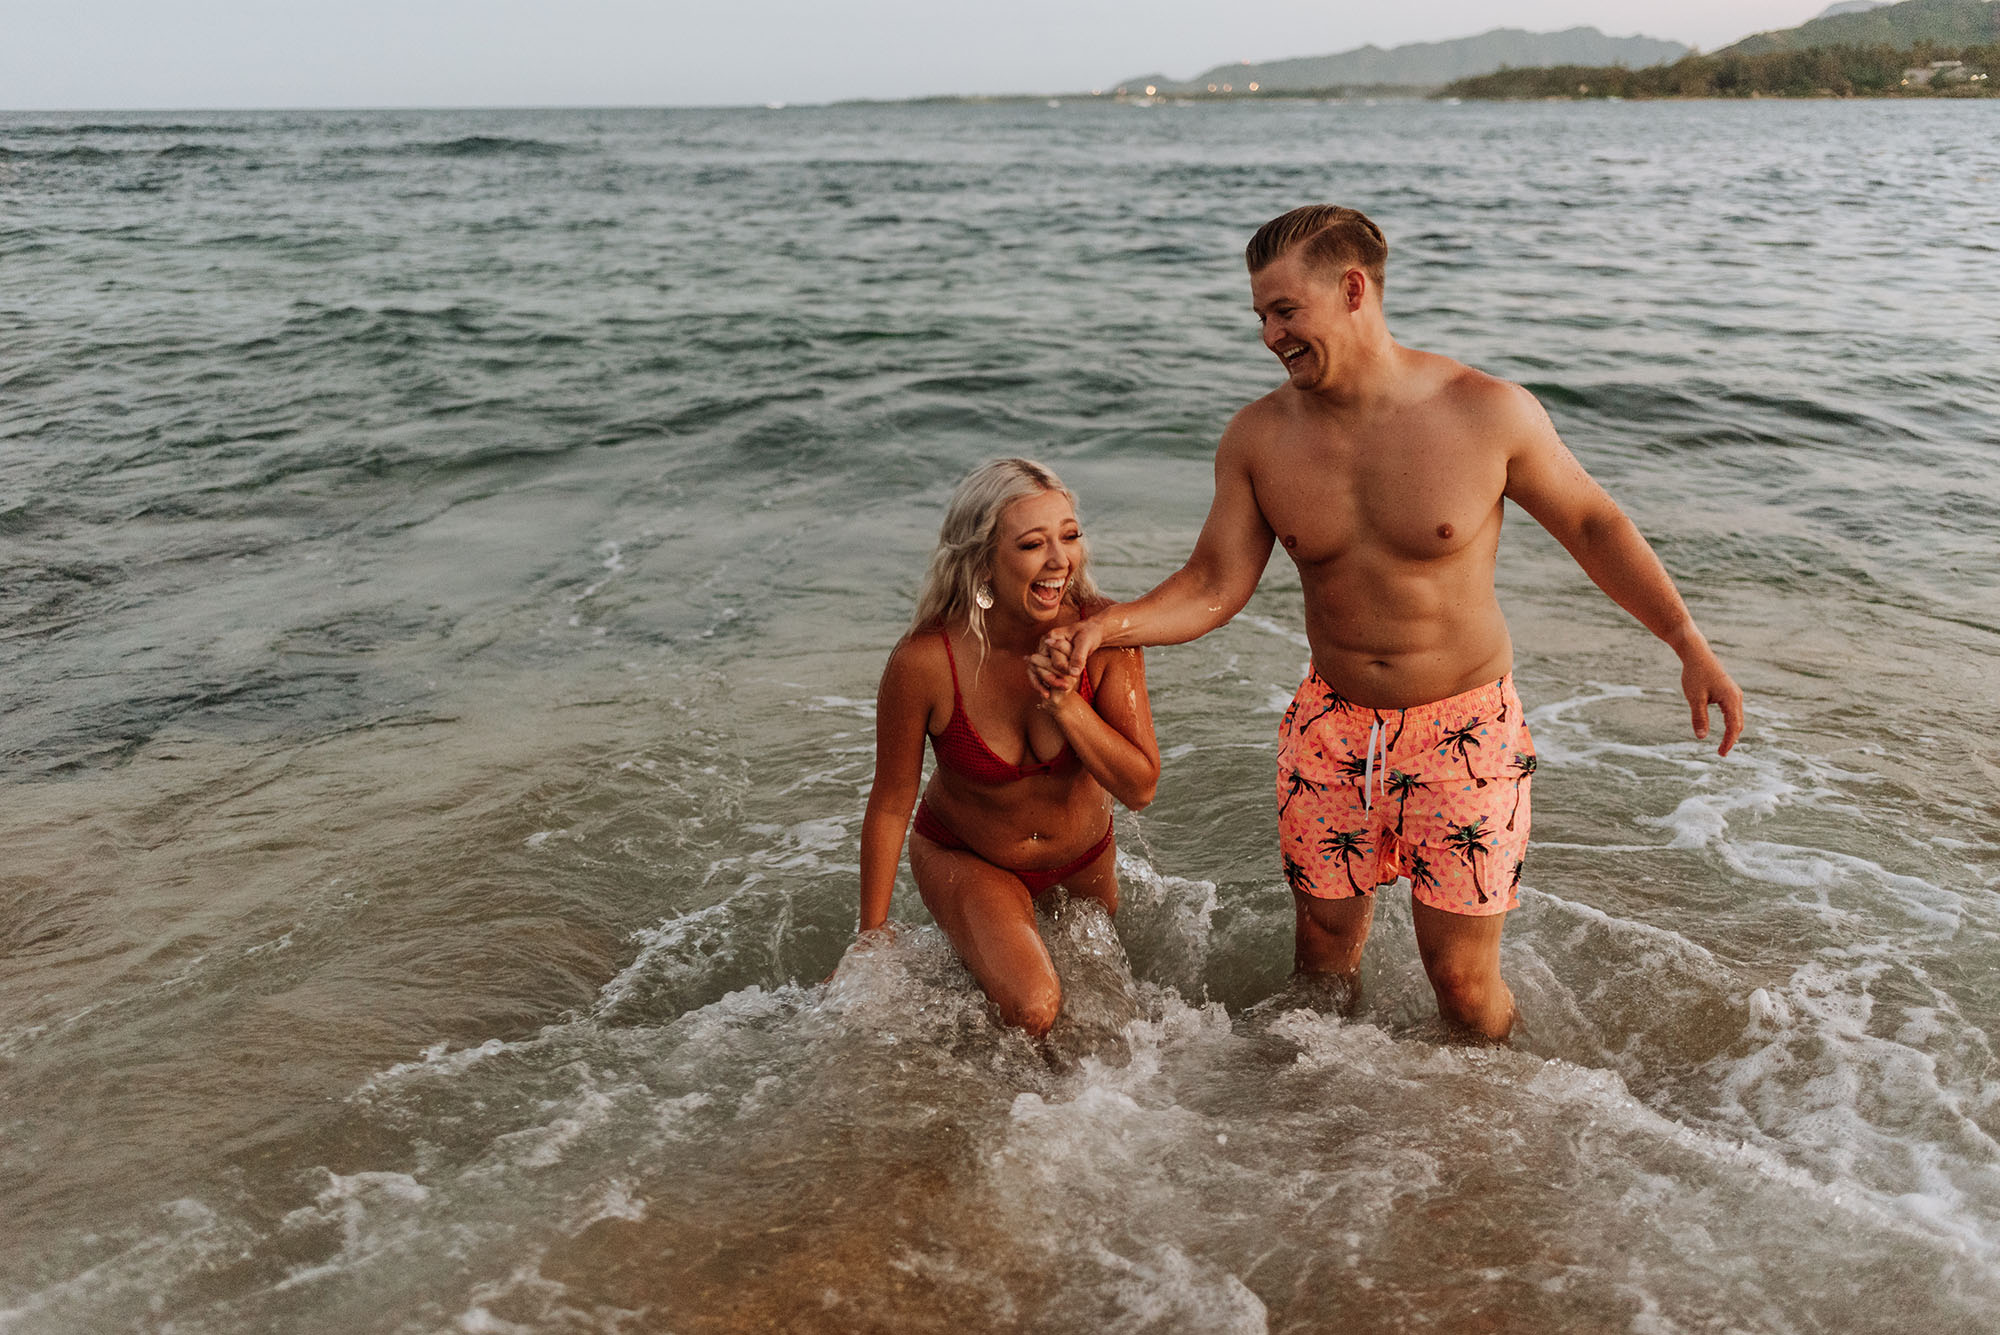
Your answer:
<point x="961" y="749"/>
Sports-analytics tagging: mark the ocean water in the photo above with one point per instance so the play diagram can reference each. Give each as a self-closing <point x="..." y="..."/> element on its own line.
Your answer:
<point x="447" y="560"/>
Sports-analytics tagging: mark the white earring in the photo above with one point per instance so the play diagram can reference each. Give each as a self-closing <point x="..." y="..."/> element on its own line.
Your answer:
<point x="983" y="595"/>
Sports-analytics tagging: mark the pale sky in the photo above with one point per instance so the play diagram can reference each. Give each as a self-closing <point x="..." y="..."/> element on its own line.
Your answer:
<point x="109" y="54"/>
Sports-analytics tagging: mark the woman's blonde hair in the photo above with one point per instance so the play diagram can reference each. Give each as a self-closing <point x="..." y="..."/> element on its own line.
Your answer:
<point x="970" y="536"/>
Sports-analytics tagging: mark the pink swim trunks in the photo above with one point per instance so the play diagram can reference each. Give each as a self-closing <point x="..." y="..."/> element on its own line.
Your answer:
<point x="1437" y="793"/>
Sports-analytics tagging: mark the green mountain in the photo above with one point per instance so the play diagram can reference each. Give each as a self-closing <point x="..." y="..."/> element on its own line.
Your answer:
<point x="1423" y="64"/>
<point x="1945" y="22"/>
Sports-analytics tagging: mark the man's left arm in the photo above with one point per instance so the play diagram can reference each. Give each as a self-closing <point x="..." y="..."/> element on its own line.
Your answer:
<point x="1546" y="480"/>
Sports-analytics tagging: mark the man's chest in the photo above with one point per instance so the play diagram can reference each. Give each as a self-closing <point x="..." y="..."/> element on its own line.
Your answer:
<point x="1411" y="498"/>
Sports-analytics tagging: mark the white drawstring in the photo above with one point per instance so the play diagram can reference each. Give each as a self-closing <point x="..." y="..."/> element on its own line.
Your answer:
<point x="1368" y="779"/>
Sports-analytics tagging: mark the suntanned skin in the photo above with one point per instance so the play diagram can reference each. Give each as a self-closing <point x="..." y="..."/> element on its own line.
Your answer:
<point x="1382" y="471"/>
<point x="1041" y="821"/>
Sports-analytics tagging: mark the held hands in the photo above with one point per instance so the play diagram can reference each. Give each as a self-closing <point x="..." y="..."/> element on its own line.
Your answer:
<point x="1705" y="683"/>
<point x="1056" y="688"/>
<point x="1058" y="665"/>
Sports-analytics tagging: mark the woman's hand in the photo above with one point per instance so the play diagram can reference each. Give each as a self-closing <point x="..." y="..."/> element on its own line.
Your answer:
<point x="867" y="940"/>
<point x="1056" y="688"/>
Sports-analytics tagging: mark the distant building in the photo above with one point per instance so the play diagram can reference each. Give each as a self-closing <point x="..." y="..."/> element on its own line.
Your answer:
<point x="1938" y="71"/>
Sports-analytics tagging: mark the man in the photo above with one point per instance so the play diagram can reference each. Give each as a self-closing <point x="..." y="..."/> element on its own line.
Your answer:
<point x="1383" y="471"/>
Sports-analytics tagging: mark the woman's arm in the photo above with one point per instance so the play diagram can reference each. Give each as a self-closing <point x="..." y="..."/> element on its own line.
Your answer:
<point x="1112" y="735"/>
<point x="902" y="711"/>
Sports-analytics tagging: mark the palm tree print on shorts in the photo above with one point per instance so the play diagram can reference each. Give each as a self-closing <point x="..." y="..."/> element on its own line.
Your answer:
<point x="1468" y="842"/>
<point x="1515" y="884"/>
<point x="1296" y="783"/>
<point x="1336" y="703"/>
<point x="1402" y="722"/>
<point x="1399" y="786"/>
<point x="1463" y="742"/>
<point x="1355" y="768"/>
<point x="1524" y="765"/>
<point x="1296" y="876"/>
<point x="1346" y="846"/>
<point x="1418" y="869"/>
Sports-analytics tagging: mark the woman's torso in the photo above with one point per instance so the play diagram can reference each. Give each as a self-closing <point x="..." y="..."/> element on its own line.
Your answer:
<point x="1007" y="782"/>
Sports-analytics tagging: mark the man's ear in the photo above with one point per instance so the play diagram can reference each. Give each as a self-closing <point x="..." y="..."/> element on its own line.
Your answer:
<point x="1354" y="288"/>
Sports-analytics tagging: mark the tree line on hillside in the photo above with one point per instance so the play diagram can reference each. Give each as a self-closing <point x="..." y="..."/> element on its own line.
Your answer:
<point x="1826" y="71"/>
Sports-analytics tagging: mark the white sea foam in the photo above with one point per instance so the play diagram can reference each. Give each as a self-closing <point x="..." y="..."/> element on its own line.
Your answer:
<point x="377" y="1213"/>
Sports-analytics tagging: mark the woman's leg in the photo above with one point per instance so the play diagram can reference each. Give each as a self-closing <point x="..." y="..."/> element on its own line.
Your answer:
<point x="1098" y="880"/>
<point x="989" y="918"/>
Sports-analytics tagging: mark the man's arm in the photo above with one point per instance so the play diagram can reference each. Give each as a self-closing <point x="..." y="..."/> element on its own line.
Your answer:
<point x="1220" y="575"/>
<point x="1545" y="479"/>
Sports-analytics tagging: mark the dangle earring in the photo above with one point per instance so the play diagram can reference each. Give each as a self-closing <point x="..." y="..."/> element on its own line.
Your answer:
<point x="983" y="595"/>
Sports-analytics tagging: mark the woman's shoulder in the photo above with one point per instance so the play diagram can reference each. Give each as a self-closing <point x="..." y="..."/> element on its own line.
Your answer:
<point x="920" y="651"/>
<point x="917" y="677"/>
<point x="1104" y="662"/>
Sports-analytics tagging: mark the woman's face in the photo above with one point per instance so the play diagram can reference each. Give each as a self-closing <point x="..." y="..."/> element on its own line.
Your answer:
<point x="1040" y="552"/>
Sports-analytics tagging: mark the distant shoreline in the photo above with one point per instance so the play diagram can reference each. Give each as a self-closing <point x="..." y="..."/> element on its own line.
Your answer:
<point x="1925" y="71"/>
<point x="1397" y="94"/>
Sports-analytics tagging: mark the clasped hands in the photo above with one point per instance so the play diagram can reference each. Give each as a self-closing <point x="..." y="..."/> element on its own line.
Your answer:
<point x="1057" y="666"/>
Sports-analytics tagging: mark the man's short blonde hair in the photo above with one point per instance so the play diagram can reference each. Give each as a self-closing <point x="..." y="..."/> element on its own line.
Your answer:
<point x="1334" y="240"/>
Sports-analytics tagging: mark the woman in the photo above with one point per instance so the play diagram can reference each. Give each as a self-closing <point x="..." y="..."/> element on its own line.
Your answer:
<point x="1020" y="800"/>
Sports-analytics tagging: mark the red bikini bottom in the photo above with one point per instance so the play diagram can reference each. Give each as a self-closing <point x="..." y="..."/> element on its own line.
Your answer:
<point x="932" y="828"/>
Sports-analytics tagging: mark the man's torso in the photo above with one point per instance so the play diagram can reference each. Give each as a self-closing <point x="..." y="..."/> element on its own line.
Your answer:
<point x="1392" y="514"/>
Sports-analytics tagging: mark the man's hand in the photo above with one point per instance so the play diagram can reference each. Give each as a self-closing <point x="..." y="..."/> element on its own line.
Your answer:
<point x="1705" y="683"/>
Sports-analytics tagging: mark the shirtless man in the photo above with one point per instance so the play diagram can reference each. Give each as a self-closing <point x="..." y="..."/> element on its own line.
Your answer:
<point x="1383" y="470"/>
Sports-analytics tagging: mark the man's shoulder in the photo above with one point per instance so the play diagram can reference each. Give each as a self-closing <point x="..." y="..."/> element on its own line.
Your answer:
<point x="1498" y="406"/>
<point x="1263" y="411"/>
<point x="1262" y="418"/>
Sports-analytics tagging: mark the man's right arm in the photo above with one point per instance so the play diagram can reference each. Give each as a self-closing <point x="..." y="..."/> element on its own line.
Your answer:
<point x="1220" y="575"/>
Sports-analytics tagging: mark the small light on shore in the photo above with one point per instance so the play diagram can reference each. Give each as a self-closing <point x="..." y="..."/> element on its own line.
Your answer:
<point x="1151" y="89"/>
<point x="1253" y="87"/>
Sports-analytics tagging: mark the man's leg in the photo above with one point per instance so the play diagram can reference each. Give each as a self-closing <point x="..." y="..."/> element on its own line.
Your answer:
<point x="1462" y="956"/>
<point x="1331" y="933"/>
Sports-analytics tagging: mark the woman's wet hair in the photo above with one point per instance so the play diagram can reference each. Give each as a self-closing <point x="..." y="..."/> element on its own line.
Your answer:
<point x="969" y="537"/>
<point x="1334" y="240"/>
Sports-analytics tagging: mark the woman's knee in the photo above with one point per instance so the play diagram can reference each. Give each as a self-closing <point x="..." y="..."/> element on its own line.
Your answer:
<point x="1032" y="1006"/>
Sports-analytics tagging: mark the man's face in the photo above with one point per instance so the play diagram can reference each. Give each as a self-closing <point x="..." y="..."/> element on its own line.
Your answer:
<point x="1304" y="318"/>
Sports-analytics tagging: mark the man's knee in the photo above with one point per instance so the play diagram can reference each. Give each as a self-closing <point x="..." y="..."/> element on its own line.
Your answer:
<point x="1464" y="984"/>
<point x="1331" y="932"/>
<point x="1340" y="919"/>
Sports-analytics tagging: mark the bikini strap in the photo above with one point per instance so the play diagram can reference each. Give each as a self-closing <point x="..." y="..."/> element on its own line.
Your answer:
<point x="957" y="696"/>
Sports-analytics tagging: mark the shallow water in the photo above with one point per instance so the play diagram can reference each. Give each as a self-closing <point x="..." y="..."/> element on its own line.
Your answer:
<point x="447" y="560"/>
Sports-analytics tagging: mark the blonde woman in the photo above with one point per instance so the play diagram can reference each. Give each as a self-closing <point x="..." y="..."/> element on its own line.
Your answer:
<point x="1020" y="799"/>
